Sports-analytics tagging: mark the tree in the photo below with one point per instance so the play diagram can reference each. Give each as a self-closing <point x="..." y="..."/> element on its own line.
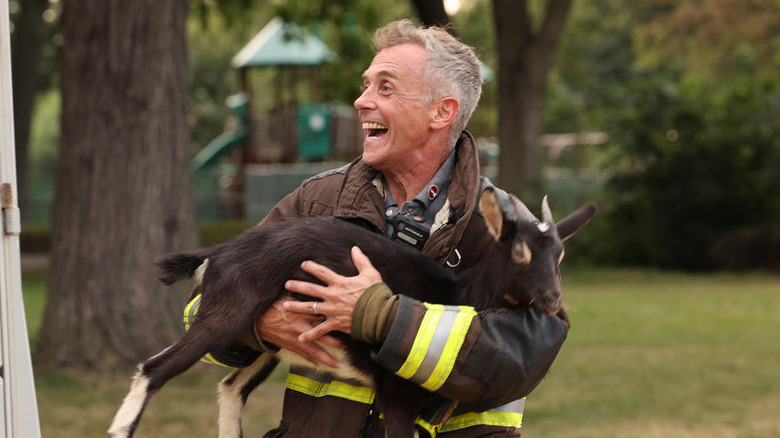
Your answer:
<point x="123" y="190"/>
<point x="431" y="12"/>
<point x="702" y="37"/>
<point x="525" y="59"/>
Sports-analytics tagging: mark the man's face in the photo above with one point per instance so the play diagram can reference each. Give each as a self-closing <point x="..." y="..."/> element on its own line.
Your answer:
<point x="395" y="122"/>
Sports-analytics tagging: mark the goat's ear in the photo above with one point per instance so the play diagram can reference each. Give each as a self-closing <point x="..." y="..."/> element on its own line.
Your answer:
<point x="491" y="211"/>
<point x="575" y="221"/>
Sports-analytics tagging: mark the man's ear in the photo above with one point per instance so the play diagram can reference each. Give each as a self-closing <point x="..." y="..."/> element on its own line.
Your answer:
<point x="445" y="110"/>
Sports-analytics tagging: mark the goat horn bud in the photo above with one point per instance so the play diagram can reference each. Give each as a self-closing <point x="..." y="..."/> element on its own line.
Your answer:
<point x="546" y="212"/>
<point x="523" y="213"/>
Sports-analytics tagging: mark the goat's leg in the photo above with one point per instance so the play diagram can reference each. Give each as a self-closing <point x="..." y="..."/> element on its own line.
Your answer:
<point x="129" y="414"/>
<point x="400" y="402"/>
<point x="205" y="335"/>
<point x="234" y="391"/>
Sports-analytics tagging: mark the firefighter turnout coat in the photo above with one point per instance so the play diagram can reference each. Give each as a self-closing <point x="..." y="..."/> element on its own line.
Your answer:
<point x="487" y="361"/>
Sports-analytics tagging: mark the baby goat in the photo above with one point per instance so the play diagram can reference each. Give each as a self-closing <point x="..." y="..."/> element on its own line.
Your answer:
<point x="246" y="275"/>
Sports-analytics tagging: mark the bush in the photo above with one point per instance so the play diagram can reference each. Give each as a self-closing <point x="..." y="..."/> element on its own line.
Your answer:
<point x="37" y="238"/>
<point x="698" y="162"/>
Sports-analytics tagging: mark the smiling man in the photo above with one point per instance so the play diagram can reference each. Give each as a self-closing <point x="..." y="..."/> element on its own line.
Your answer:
<point x="417" y="182"/>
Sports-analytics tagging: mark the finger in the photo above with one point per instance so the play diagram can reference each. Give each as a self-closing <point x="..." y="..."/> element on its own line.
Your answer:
<point x="360" y="259"/>
<point x="321" y="272"/>
<point x="316" y="332"/>
<point x="315" y="354"/>
<point x="303" y="307"/>
<point x="363" y="264"/>
<point x="331" y="341"/>
<point x="305" y="288"/>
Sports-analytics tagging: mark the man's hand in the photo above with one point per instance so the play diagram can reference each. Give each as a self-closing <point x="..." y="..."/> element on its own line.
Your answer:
<point x="338" y="296"/>
<point x="283" y="328"/>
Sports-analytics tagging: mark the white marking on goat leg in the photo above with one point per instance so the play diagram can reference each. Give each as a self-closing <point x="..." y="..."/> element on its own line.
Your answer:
<point x="131" y="408"/>
<point x="230" y="405"/>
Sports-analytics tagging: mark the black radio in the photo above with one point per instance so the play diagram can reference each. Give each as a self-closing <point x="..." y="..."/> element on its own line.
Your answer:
<point x="409" y="231"/>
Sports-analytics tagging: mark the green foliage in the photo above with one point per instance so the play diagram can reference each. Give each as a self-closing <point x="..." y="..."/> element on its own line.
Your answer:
<point x="699" y="161"/>
<point x="703" y="36"/>
<point x="215" y="33"/>
<point x="45" y="133"/>
<point x="592" y="67"/>
<point x="474" y="26"/>
<point x="347" y="26"/>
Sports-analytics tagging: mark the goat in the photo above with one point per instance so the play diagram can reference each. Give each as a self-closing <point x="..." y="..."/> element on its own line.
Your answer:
<point x="246" y="275"/>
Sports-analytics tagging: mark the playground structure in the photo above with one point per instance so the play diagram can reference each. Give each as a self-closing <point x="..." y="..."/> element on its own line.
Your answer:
<point x="289" y="134"/>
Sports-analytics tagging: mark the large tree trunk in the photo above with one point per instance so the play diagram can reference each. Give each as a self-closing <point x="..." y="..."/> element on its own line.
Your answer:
<point x="525" y="60"/>
<point x="26" y="46"/>
<point x="123" y="191"/>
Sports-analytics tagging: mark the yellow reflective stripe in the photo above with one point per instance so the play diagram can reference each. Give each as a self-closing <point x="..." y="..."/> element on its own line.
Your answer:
<point x="209" y="359"/>
<point x="189" y="317"/>
<point x="191" y="310"/>
<point x="428" y="427"/>
<point x="509" y="415"/>
<point x="505" y="419"/>
<point x="422" y="341"/>
<point x="451" y="349"/>
<point x="436" y="346"/>
<point x="334" y="388"/>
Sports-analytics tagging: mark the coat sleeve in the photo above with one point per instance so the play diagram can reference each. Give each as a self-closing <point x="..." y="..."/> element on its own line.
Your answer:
<point x="485" y="359"/>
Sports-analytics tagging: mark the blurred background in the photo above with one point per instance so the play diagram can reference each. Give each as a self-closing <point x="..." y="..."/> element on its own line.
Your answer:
<point x="146" y="128"/>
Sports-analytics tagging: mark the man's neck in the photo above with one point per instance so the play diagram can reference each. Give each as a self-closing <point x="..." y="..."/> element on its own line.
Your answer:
<point x="405" y="183"/>
<point x="405" y="187"/>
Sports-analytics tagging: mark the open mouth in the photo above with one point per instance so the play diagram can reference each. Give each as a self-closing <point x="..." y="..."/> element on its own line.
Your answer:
<point x="373" y="129"/>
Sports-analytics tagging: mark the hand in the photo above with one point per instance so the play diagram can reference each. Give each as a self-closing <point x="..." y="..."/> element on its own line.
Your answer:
<point x="282" y="328"/>
<point x="338" y="296"/>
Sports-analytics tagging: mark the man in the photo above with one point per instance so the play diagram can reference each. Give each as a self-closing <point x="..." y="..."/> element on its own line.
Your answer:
<point x="417" y="182"/>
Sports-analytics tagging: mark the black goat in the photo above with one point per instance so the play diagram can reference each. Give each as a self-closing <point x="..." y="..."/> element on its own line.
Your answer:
<point x="246" y="275"/>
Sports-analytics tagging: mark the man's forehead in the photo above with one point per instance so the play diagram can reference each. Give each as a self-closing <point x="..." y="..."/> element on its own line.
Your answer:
<point x="393" y="61"/>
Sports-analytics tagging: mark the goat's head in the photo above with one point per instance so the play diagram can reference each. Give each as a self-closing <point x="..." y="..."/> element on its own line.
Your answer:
<point x="535" y="248"/>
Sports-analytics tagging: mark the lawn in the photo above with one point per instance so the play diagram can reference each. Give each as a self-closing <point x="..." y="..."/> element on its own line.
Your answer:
<point x="650" y="354"/>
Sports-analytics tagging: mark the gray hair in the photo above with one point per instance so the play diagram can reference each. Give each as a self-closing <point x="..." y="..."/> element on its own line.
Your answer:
<point x="452" y="67"/>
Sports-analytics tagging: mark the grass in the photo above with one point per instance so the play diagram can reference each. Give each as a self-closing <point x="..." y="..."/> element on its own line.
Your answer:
<point x="654" y="354"/>
<point x="650" y="354"/>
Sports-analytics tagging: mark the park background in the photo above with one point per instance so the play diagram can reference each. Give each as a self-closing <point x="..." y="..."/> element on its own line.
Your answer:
<point x="666" y="113"/>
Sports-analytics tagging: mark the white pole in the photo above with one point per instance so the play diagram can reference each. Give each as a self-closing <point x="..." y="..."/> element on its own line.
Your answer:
<point x="19" y="407"/>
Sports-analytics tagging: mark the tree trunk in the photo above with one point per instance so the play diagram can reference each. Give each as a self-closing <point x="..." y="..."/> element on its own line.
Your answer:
<point x="525" y="60"/>
<point x="432" y="13"/>
<point x="26" y="46"/>
<point x="123" y="190"/>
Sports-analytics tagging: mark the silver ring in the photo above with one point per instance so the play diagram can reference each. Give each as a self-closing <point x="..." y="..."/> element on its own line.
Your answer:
<point x="314" y="307"/>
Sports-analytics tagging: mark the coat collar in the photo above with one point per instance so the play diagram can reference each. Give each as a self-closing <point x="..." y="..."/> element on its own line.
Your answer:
<point x="360" y="199"/>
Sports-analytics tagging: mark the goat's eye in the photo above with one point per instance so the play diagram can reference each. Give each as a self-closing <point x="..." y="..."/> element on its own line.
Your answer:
<point x="521" y="253"/>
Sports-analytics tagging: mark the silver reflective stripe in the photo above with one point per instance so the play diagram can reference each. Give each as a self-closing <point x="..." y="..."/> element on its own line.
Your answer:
<point x="516" y="406"/>
<point x="436" y="347"/>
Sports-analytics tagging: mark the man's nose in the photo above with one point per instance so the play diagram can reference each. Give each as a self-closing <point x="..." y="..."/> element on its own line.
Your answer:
<point x="364" y="101"/>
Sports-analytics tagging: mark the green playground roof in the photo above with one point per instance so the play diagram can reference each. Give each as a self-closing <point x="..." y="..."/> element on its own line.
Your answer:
<point x="280" y="44"/>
